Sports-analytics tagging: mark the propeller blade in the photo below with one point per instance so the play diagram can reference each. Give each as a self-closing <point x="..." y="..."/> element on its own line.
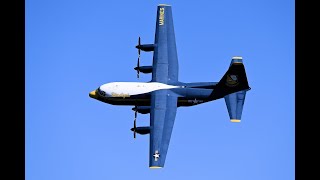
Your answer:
<point x="139" y="44"/>
<point x="138" y="68"/>
<point x="138" y="63"/>
<point x="134" y="128"/>
<point x="135" y="114"/>
<point x="134" y="122"/>
<point x="139" y="41"/>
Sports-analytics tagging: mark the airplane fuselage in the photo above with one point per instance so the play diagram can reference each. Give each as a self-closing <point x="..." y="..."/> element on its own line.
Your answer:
<point x="139" y="93"/>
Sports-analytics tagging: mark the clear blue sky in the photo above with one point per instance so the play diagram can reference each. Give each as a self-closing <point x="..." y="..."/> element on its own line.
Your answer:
<point x="74" y="46"/>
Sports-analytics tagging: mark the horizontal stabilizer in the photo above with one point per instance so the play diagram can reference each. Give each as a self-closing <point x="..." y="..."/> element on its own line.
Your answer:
<point x="234" y="104"/>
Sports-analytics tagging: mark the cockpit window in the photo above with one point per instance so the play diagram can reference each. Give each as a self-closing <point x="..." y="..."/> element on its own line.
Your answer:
<point x="102" y="93"/>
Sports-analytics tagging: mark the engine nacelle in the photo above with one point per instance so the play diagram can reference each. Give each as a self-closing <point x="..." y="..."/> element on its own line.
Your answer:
<point x="144" y="69"/>
<point x="146" y="47"/>
<point x="142" y="130"/>
<point x="142" y="109"/>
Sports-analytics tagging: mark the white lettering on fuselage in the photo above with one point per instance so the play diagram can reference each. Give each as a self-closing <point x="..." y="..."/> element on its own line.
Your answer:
<point x="127" y="89"/>
<point x="113" y="94"/>
<point x="195" y="101"/>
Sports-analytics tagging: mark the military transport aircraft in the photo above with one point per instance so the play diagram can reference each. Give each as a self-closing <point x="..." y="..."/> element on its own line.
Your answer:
<point x="165" y="93"/>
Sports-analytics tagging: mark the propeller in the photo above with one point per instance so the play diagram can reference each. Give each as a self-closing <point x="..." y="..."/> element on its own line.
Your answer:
<point x="138" y="63"/>
<point x="134" y="128"/>
<point x="139" y="45"/>
<point x="134" y="124"/>
<point x="138" y="68"/>
<point x="135" y="113"/>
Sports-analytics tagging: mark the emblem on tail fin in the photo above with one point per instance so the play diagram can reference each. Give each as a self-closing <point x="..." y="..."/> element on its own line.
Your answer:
<point x="232" y="80"/>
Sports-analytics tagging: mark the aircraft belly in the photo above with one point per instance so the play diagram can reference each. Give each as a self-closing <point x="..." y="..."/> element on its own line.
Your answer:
<point x="137" y="100"/>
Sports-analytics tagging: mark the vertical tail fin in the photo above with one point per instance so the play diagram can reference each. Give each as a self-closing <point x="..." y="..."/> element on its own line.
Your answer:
<point x="234" y="80"/>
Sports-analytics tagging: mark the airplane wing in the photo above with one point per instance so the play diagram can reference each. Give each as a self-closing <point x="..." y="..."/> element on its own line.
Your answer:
<point x="165" y="59"/>
<point x="162" y="116"/>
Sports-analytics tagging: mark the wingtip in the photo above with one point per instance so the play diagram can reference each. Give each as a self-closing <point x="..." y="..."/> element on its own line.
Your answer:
<point x="164" y="5"/>
<point x="155" y="167"/>
<point x="236" y="60"/>
<point x="235" y="120"/>
<point x="237" y="57"/>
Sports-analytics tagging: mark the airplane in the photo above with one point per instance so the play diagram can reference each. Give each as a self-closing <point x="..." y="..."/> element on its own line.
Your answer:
<point x="161" y="96"/>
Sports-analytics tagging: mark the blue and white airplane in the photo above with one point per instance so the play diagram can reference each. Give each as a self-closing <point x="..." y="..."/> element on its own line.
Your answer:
<point x="165" y="93"/>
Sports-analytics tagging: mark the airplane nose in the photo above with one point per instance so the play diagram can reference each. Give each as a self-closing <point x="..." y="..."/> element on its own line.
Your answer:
<point x="93" y="94"/>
